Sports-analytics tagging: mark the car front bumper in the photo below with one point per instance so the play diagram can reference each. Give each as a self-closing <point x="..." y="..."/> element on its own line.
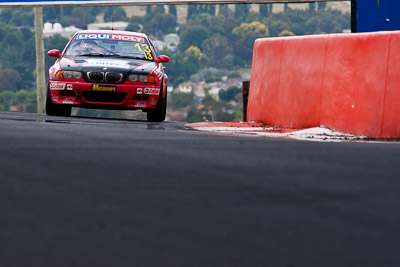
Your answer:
<point x="118" y="96"/>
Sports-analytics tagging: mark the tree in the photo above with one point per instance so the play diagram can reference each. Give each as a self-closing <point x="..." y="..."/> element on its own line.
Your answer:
<point x="193" y="36"/>
<point x="229" y="94"/>
<point x="149" y="10"/>
<point x="216" y="48"/>
<point x="180" y="100"/>
<point x="286" y="33"/>
<point x="192" y="10"/>
<point x="159" y="9"/>
<point x="6" y="99"/>
<point x="162" y="23"/>
<point x="172" y="10"/>
<point x="321" y="6"/>
<point x="257" y="27"/>
<point x="224" y="10"/>
<point x="286" y="7"/>
<point x="265" y="10"/>
<point x="191" y="60"/>
<point x="82" y="16"/>
<point x="115" y="14"/>
<point x="311" y="7"/>
<point x="17" y="16"/>
<point x="245" y="36"/>
<point x="242" y="11"/>
<point x="211" y="10"/>
<point x="9" y="80"/>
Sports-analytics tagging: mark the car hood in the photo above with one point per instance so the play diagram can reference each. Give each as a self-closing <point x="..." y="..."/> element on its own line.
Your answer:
<point x="107" y="64"/>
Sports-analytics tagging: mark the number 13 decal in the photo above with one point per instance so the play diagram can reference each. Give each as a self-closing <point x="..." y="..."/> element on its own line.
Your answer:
<point x="146" y="49"/>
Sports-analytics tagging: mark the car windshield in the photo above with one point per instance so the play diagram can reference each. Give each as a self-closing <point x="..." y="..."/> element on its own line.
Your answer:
<point x="110" y="45"/>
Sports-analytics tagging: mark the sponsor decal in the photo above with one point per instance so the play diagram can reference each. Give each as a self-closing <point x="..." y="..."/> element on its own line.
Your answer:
<point x="127" y="38"/>
<point x="57" y="86"/>
<point x="96" y="36"/>
<point x="69" y="86"/>
<point x="68" y="101"/>
<point x="140" y="104"/>
<point x="104" y="63"/>
<point x="104" y="88"/>
<point x="152" y="91"/>
<point x="139" y="91"/>
<point x="156" y="71"/>
<point x="102" y="36"/>
<point x="54" y="98"/>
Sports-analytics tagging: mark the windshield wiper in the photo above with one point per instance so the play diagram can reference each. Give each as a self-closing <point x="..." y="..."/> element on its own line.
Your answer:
<point x="92" y="55"/>
<point x="130" y="57"/>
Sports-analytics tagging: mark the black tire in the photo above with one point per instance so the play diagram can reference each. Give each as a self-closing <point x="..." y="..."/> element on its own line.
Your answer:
<point x="56" y="109"/>
<point x="158" y="114"/>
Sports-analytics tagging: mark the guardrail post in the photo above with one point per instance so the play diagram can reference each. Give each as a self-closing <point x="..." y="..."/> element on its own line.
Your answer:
<point x="40" y="77"/>
<point x="245" y="97"/>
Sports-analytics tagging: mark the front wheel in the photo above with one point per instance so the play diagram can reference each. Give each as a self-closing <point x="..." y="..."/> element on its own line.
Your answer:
<point x="56" y="109"/>
<point x="158" y="114"/>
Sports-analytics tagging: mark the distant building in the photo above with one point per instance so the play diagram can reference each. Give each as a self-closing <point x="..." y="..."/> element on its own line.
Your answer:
<point x="50" y="29"/>
<point x="172" y="41"/>
<point x="160" y="45"/>
<point x="116" y="25"/>
<point x="214" y="92"/>
<point x="186" y="88"/>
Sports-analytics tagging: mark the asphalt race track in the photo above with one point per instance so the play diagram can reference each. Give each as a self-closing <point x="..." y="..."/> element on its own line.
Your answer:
<point x="100" y="192"/>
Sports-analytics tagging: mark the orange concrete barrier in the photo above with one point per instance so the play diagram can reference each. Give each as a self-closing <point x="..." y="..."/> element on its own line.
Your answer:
<point x="391" y="111"/>
<point x="347" y="82"/>
<point x="267" y="100"/>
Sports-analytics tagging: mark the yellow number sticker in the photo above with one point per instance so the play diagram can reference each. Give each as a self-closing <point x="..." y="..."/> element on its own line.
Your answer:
<point x="138" y="47"/>
<point x="146" y="51"/>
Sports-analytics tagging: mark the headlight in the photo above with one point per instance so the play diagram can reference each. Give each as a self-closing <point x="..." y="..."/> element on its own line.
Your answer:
<point x="66" y="74"/>
<point x="133" y="78"/>
<point x="141" y="78"/>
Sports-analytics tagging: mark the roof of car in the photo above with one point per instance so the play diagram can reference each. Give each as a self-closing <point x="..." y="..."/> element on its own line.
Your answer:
<point x="113" y="32"/>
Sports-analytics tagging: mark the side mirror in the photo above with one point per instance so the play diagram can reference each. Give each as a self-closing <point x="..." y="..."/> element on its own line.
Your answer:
<point x="163" y="59"/>
<point x="54" y="53"/>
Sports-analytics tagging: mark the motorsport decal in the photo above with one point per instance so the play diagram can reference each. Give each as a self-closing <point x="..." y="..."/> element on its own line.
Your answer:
<point x="156" y="71"/>
<point x="104" y="88"/>
<point x="68" y="101"/>
<point x="57" y="86"/>
<point x="99" y="36"/>
<point x="152" y="91"/>
<point x="139" y="91"/>
<point x="69" y="86"/>
<point x="105" y="63"/>
<point x="140" y="104"/>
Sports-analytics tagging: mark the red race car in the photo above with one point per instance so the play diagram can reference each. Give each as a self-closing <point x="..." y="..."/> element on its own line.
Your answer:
<point x="108" y="70"/>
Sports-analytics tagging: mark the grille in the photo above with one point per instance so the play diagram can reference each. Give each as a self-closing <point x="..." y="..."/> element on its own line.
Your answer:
<point x="109" y="77"/>
<point x="113" y="77"/>
<point x="110" y="97"/>
<point x="96" y="76"/>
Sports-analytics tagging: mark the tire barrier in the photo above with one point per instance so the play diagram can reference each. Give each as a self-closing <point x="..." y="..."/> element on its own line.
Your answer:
<point x="346" y="82"/>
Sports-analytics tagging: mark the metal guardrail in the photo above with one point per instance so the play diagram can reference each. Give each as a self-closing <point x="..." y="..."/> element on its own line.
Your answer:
<point x="149" y="2"/>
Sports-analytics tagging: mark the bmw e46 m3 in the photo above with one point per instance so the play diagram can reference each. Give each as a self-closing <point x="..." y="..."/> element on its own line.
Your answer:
<point x="108" y="70"/>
